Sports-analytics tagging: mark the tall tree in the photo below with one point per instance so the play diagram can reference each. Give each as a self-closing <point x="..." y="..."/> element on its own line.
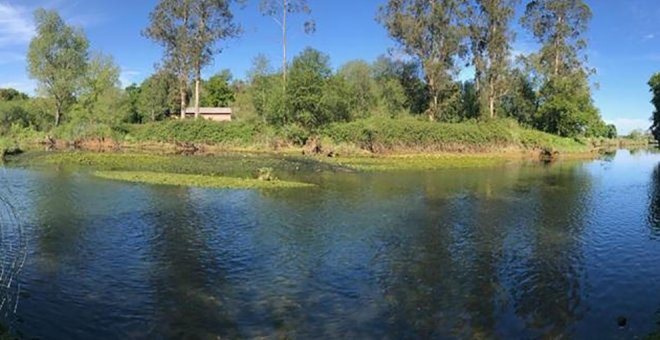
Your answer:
<point x="654" y="83"/>
<point x="170" y="26"/>
<point x="214" y="22"/>
<point x="279" y="10"/>
<point x="57" y="58"/>
<point x="566" y="107"/>
<point x="433" y="32"/>
<point x="559" y="26"/>
<point x="190" y="30"/>
<point x="491" y="39"/>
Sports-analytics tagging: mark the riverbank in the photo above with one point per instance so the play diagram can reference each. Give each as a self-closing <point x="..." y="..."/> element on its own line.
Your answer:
<point x="361" y="138"/>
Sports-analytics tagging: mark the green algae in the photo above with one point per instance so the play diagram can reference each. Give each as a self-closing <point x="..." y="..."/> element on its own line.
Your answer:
<point x="200" y="181"/>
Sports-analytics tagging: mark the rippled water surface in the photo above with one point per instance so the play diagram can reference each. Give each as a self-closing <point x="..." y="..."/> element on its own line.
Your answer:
<point x="515" y="251"/>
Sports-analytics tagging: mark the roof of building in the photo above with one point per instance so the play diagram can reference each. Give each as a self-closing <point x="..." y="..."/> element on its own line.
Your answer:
<point x="210" y="110"/>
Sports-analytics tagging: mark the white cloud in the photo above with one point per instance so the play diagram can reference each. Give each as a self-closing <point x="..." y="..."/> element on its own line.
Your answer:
<point x="649" y="36"/>
<point x="625" y="125"/>
<point x="16" y="27"/>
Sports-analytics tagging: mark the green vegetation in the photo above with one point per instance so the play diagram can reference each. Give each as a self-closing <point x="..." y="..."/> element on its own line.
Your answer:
<point x="654" y="83"/>
<point x="198" y="180"/>
<point x="385" y="106"/>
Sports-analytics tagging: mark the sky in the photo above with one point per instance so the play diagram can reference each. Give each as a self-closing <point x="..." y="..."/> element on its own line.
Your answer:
<point x="624" y="43"/>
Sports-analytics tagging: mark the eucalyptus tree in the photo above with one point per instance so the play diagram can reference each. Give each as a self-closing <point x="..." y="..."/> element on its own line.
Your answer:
<point x="280" y="10"/>
<point x="559" y="26"/>
<point x="57" y="59"/>
<point x="491" y="38"/>
<point x="654" y="83"/>
<point x="190" y="30"/>
<point x="433" y="32"/>
<point x="566" y="106"/>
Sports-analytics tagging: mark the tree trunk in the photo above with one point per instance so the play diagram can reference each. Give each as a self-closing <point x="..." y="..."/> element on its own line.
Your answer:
<point x="58" y="114"/>
<point x="557" y="55"/>
<point x="197" y="83"/>
<point x="285" y="8"/>
<point x="182" y="93"/>
<point x="491" y="98"/>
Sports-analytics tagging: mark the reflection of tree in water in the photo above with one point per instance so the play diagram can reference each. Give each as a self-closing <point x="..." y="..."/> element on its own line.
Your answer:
<point x="60" y="221"/>
<point x="547" y="291"/>
<point x="472" y="257"/>
<point x="190" y="288"/>
<point x="654" y="204"/>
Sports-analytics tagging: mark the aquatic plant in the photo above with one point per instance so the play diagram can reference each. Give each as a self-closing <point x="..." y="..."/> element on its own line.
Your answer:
<point x="200" y="181"/>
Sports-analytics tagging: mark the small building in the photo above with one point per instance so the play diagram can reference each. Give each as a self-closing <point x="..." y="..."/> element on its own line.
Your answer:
<point x="216" y="114"/>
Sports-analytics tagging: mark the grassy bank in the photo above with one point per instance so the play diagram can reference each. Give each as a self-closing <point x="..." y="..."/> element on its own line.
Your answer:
<point x="367" y="137"/>
<point x="381" y="135"/>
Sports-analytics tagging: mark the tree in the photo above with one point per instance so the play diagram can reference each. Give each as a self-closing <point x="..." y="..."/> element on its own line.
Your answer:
<point x="189" y="30"/>
<point x="491" y="39"/>
<point x="217" y="92"/>
<point x="433" y="32"/>
<point x="158" y="95"/>
<point x="654" y="83"/>
<point x="310" y="72"/>
<point x="567" y="108"/>
<point x="100" y="99"/>
<point x="132" y="100"/>
<point x="57" y="58"/>
<point x="559" y="26"/>
<point x="565" y="104"/>
<point x="279" y="10"/>
<point x="362" y="88"/>
<point x="10" y="94"/>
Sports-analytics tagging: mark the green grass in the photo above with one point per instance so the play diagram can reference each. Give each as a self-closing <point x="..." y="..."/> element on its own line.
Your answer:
<point x="409" y="134"/>
<point x="420" y="162"/>
<point x="203" y="132"/>
<point x="201" y="181"/>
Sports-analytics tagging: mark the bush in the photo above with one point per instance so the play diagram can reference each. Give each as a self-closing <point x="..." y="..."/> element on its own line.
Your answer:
<point x="202" y="131"/>
<point x="409" y="133"/>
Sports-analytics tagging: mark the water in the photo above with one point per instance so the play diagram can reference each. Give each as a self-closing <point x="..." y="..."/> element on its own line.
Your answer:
<point x="509" y="252"/>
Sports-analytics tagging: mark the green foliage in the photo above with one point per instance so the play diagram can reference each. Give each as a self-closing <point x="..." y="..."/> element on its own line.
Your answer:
<point x="57" y="58"/>
<point x="101" y="100"/>
<point x="201" y="181"/>
<point x="159" y="96"/>
<point x="201" y="131"/>
<point x="414" y="134"/>
<point x="216" y="91"/>
<point x="432" y="32"/>
<point x="132" y="104"/>
<point x="567" y="109"/>
<point x="654" y="84"/>
<point x="10" y="94"/>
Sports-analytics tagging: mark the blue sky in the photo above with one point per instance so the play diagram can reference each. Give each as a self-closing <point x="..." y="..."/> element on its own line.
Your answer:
<point x="624" y="43"/>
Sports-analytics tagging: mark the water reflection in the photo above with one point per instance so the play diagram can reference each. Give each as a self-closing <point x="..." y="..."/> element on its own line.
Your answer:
<point x="654" y="202"/>
<point x="513" y="252"/>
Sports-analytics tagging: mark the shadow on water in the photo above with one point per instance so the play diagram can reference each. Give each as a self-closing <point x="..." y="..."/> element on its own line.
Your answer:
<point x="190" y="290"/>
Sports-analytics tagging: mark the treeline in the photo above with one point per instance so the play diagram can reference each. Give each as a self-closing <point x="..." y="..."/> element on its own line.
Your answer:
<point x="549" y="90"/>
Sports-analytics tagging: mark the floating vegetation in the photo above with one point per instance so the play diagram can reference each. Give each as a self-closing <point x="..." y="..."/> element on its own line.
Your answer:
<point x="201" y="181"/>
<point x="420" y="162"/>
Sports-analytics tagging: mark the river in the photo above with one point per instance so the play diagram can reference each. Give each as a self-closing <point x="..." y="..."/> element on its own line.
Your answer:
<point x="570" y="249"/>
